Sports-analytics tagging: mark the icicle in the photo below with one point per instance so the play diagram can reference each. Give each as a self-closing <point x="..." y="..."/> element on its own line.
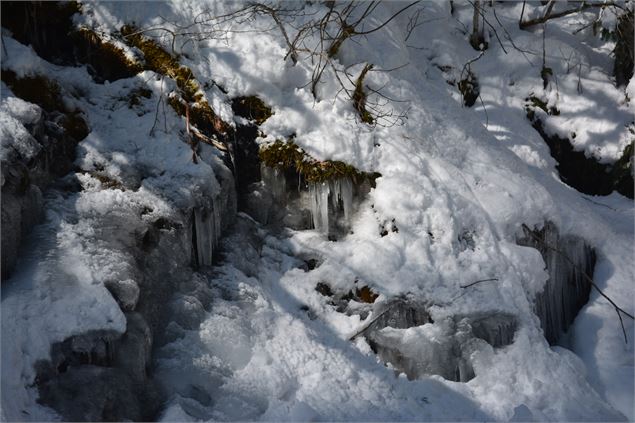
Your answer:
<point x="217" y="224"/>
<point x="335" y="187"/>
<point x="207" y="231"/>
<point x="346" y="195"/>
<point x="275" y="181"/>
<point x="566" y="291"/>
<point x="319" y="198"/>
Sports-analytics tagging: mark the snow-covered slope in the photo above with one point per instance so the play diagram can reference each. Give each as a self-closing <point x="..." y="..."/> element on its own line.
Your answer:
<point x="456" y="186"/>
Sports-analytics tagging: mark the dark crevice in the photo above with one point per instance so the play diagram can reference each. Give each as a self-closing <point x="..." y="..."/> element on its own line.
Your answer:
<point x="583" y="173"/>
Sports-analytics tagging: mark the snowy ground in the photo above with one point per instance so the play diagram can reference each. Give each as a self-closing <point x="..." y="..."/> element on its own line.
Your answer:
<point x="270" y="347"/>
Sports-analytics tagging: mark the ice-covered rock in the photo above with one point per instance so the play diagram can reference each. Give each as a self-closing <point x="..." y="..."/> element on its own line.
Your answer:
<point x="569" y="261"/>
<point x="404" y="335"/>
<point x="126" y="292"/>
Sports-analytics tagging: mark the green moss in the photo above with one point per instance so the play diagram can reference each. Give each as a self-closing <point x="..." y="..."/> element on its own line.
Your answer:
<point x="533" y="102"/>
<point x="288" y="156"/>
<point x="251" y="108"/>
<point x="201" y="115"/>
<point x="109" y="61"/>
<point x="160" y="61"/>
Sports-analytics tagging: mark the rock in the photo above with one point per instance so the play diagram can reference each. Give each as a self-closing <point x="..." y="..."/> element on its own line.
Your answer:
<point x="134" y="347"/>
<point x="126" y="292"/>
<point x="92" y="393"/>
<point x="187" y="311"/>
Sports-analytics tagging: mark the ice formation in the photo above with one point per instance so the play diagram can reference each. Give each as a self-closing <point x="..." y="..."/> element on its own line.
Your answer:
<point x="567" y="290"/>
<point x="340" y="192"/>
<point x="319" y="200"/>
<point x="274" y="180"/>
<point x="206" y="228"/>
<point x="404" y="335"/>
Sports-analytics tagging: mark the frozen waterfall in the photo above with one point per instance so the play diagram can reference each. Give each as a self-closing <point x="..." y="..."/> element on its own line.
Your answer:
<point x="566" y="291"/>
<point x="340" y="192"/>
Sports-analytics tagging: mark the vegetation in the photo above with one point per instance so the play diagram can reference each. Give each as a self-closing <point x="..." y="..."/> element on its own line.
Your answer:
<point x="251" y="108"/>
<point x="288" y="156"/>
<point x="191" y="102"/>
<point x="534" y="102"/>
<point x="359" y="97"/>
<point x="108" y="60"/>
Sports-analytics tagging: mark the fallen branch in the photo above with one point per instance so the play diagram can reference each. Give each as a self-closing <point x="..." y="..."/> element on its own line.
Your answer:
<point x="479" y="281"/>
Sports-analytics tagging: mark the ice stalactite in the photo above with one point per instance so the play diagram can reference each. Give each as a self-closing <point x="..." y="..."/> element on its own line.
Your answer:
<point x="567" y="290"/>
<point x="275" y="180"/>
<point x="443" y="348"/>
<point x="319" y="200"/>
<point x="206" y="227"/>
<point x="340" y="192"/>
<point x="343" y="191"/>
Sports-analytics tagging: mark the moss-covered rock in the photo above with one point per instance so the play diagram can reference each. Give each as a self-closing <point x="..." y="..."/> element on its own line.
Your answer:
<point x="107" y="61"/>
<point x="252" y="108"/>
<point x="288" y="156"/>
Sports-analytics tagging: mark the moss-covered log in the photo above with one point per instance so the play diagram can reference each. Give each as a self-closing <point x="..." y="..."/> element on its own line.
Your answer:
<point x="288" y="156"/>
<point x="252" y="108"/>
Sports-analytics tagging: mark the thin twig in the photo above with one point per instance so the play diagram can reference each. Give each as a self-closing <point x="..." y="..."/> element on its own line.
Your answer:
<point x="479" y="281"/>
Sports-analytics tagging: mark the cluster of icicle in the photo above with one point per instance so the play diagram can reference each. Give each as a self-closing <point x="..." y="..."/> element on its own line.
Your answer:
<point x="567" y="258"/>
<point x="206" y="230"/>
<point x="274" y="179"/>
<point x="340" y="191"/>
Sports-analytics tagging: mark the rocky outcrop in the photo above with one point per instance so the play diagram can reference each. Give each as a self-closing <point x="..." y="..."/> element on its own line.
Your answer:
<point x="52" y="134"/>
<point x="118" y="368"/>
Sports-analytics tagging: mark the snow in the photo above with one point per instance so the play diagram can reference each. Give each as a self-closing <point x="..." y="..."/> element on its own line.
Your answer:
<point x="457" y="182"/>
<point x="15" y="113"/>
